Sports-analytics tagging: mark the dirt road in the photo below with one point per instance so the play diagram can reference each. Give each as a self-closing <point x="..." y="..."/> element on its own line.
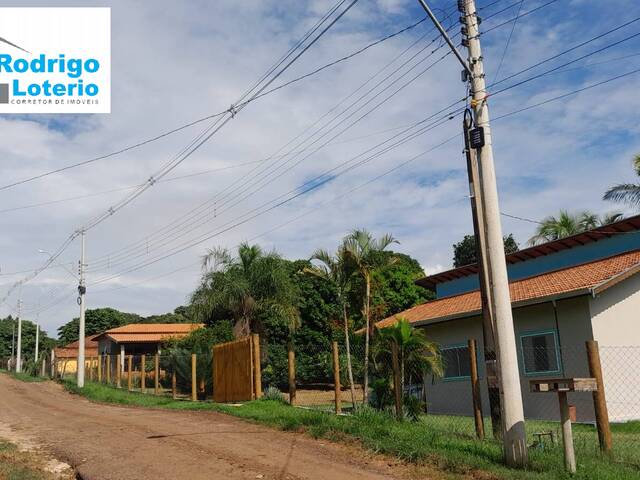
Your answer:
<point x="111" y="442"/>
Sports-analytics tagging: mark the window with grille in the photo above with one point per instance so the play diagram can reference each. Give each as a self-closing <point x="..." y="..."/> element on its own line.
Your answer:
<point x="456" y="361"/>
<point x="540" y="353"/>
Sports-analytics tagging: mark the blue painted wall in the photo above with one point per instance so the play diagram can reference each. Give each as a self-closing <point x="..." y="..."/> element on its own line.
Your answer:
<point x="606" y="247"/>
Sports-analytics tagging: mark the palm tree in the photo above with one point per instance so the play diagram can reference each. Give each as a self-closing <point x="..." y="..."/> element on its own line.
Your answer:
<point x="628" y="193"/>
<point x="364" y="251"/>
<point x="245" y="286"/>
<point x="336" y="269"/>
<point x="414" y="349"/>
<point x="567" y="224"/>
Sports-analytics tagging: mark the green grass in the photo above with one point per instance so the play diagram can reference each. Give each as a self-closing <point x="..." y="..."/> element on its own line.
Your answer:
<point x="16" y="465"/>
<point x="444" y="441"/>
<point x="24" y="377"/>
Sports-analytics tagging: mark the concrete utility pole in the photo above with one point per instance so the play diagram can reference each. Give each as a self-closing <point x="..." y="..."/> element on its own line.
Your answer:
<point x="19" y="346"/>
<point x="488" y="322"/>
<point x="82" y="289"/>
<point x="514" y="435"/>
<point x="37" y="340"/>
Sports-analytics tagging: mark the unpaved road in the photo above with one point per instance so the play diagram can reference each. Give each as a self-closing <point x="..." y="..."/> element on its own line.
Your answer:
<point x="112" y="442"/>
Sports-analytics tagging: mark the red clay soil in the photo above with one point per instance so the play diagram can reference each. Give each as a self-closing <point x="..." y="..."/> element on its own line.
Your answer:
<point x="111" y="442"/>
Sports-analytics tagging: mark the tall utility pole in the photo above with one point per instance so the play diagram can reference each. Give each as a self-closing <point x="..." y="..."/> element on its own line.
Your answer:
<point x="488" y="323"/>
<point x="13" y="343"/>
<point x="514" y="435"/>
<point x="82" y="289"/>
<point x="37" y="339"/>
<point x="19" y="346"/>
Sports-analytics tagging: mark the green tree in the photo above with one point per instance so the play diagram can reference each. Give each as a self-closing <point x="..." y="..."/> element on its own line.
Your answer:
<point x="628" y="193"/>
<point x="363" y="250"/>
<point x="336" y="269"/>
<point x="415" y="352"/>
<point x="97" y="320"/>
<point x="465" y="252"/>
<point x="247" y="288"/>
<point x="567" y="224"/>
<point x="394" y="288"/>
<point x="9" y="335"/>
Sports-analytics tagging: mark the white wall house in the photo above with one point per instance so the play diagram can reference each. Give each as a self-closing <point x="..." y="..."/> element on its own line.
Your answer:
<point x="563" y="293"/>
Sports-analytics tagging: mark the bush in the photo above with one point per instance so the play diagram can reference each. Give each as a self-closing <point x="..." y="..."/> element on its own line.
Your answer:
<point x="413" y="407"/>
<point x="272" y="393"/>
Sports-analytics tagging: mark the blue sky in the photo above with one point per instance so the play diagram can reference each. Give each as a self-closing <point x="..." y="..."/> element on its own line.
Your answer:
<point x="173" y="62"/>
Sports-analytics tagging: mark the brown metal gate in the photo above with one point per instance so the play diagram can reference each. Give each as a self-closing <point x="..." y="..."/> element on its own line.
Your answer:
<point x="234" y="376"/>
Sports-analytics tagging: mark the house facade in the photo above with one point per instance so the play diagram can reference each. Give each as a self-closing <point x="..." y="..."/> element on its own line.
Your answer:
<point x="66" y="357"/>
<point x="563" y="293"/>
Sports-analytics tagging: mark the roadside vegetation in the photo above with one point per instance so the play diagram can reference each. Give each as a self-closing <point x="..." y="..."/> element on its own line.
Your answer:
<point x="426" y="441"/>
<point x="16" y="464"/>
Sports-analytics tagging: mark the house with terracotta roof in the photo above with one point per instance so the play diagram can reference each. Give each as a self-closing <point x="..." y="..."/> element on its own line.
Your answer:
<point x="66" y="357"/>
<point x="564" y="292"/>
<point x="141" y="338"/>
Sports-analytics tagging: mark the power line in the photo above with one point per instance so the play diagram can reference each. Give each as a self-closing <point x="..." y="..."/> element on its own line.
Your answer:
<point x="506" y="47"/>
<point x="193" y="146"/>
<point x="235" y="184"/>
<point x="214" y="115"/>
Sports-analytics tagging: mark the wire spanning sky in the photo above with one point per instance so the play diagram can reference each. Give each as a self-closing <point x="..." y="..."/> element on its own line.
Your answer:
<point x="174" y="62"/>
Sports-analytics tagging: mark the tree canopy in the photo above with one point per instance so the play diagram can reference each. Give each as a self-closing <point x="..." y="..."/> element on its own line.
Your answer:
<point x="566" y="224"/>
<point x="465" y="253"/>
<point x="9" y="331"/>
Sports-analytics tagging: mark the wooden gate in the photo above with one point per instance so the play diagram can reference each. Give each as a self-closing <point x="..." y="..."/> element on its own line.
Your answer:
<point x="234" y="377"/>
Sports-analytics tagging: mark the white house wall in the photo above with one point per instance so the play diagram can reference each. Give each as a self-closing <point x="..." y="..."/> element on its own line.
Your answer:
<point x="616" y="326"/>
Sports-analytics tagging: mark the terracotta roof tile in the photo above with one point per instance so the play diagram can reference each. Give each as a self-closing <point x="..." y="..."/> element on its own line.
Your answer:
<point x="150" y="332"/>
<point x="71" y="350"/>
<point x="565" y="281"/>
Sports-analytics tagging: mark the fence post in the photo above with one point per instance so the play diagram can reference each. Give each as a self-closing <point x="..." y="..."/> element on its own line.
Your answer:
<point x="53" y="363"/>
<point x="108" y="368"/>
<point x="194" y="395"/>
<point x="156" y="374"/>
<point x="129" y="369"/>
<point x="100" y="368"/>
<point x="118" y="371"/>
<point x="475" y="389"/>
<point x="257" y="373"/>
<point x="397" y="384"/>
<point x="213" y="374"/>
<point x="292" y="374"/>
<point x="174" y="381"/>
<point x="599" y="397"/>
<point x="143" y="373"/>
<point x="336" y="377"/>
<point x="43" y="370"/>
<point x="567" y="434"/>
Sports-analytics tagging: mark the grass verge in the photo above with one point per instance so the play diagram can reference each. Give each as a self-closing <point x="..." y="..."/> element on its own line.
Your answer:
<point x="25" y="465"/>
<point x="24" y="377"/>
<point x="413" y="442"/>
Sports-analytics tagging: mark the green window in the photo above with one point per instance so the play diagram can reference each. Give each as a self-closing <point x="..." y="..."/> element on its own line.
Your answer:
<point x="540" y="352"/>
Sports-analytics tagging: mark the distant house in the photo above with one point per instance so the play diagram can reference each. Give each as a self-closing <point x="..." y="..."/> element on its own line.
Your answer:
<point x="141" y="338"/>
<point x="66" y="358"/>
<point x="584" y="287"/>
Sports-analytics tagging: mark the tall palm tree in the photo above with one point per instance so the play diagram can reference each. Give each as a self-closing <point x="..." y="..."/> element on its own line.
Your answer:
<point x="415" y="350"/>
<point x="335" y="268"/>
<point x="628" y="193"/>
<point x="364" y="251"/>
<point x="244" y="286"/>
<point x="567" y="224"/>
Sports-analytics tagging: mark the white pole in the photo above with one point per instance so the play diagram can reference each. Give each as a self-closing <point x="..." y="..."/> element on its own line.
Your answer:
<point x="515" y="442"/>
<point x="122" y="358"/>
<point x="19" y="346"/>
<point x="37" y="340"/>
<point x="81" y="292"/>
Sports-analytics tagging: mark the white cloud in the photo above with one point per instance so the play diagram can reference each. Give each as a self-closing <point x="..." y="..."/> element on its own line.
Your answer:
<point x="175" y="61"/>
